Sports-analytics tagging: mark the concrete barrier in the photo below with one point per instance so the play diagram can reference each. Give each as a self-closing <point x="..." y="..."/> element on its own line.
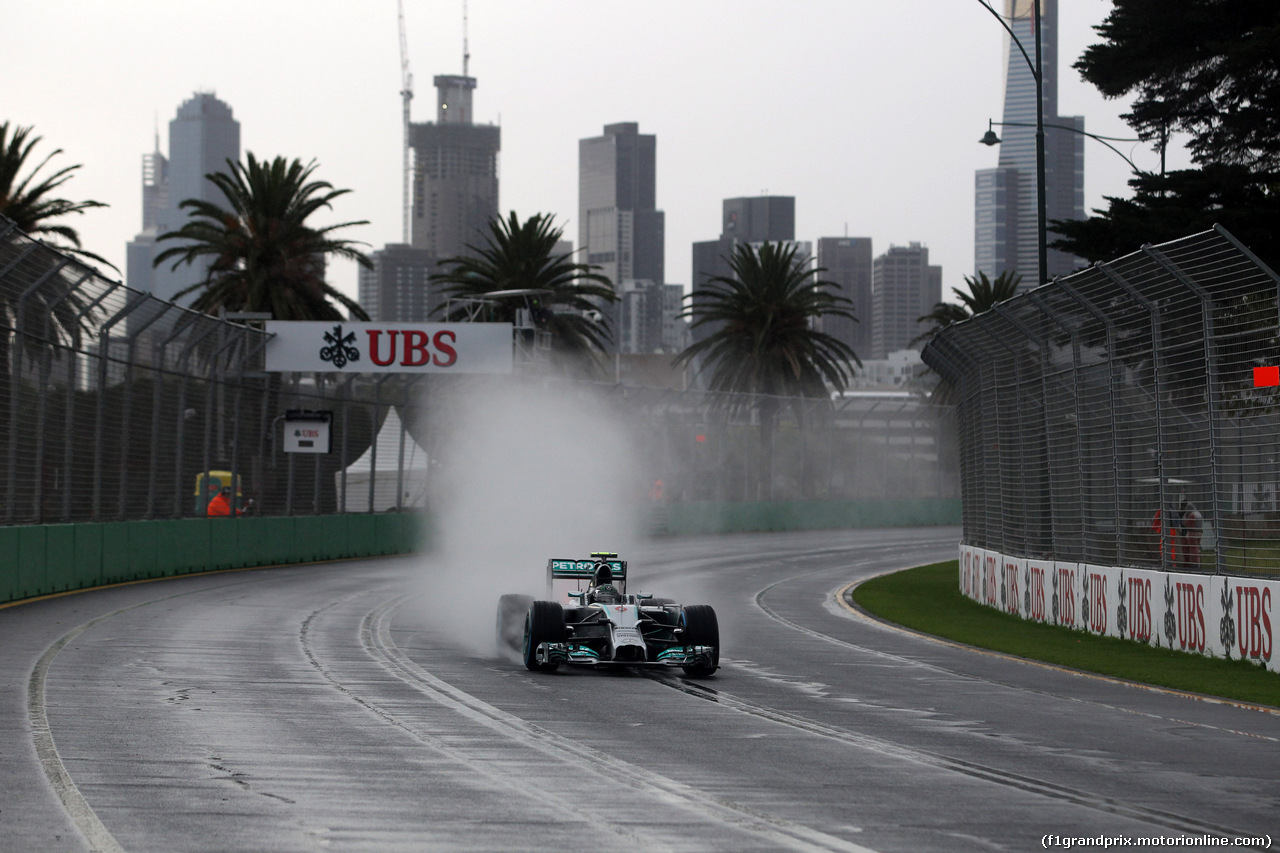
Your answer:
<point x="1214" y="615"/>
<point x="49" y="558"/>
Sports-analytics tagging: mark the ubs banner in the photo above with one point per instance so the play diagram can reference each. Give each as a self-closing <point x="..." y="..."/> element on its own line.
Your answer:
<point x="1208" y="614"/>
<point x="327" y="347"/>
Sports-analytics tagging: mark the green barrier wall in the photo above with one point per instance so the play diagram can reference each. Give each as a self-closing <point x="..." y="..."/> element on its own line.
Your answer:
<point x="723" y="517"/>
<point x="48" y="558"/>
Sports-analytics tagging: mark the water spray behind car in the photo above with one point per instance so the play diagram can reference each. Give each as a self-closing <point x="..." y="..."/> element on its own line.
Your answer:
<point x="526" y="470"/>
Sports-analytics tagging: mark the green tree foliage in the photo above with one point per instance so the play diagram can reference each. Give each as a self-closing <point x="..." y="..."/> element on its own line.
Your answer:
<point x="263" y="255"/>
<point x="983" y="293"/>
<point x="564" y="297"/>
<point x="763" y="340"/>
<point x="29" y="200"/>
<point x="1209" y="69"/>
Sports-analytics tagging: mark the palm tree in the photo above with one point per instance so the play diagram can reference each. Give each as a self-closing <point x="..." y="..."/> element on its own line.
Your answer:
<point x="29" y="203"/>
<point x="764" y="347"/>
<point x="564" y="297"/>
<point x="51" y="312"/>
<point x="983" y="294"/>
<point x="263" y="256"/>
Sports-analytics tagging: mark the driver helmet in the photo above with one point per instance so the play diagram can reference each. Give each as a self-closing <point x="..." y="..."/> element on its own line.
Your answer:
<point x="603" y="590"/>
<point x="607" y="594"/>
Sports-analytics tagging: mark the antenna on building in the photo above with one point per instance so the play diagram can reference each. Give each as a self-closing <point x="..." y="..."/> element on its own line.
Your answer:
<point x="406" y="93"/>
<point x="466" y="51"/>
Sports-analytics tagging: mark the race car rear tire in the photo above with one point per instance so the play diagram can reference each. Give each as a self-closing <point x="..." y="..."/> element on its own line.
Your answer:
<point x="544" y="623"/>
<point x="509" y="628"/>
<point x="701" y="629"/>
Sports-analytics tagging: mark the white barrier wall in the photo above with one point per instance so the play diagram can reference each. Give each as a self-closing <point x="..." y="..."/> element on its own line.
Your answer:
<point x="1217" y="616"/>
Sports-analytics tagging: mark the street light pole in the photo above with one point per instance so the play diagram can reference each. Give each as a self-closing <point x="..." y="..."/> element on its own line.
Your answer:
<point x="1042" y="208"/>
<point x="990" y="138"/>
<point x="1042" y="235"/>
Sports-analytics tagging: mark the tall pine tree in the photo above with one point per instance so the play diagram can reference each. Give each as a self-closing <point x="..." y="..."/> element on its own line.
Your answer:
<point x="1209" y="69"/>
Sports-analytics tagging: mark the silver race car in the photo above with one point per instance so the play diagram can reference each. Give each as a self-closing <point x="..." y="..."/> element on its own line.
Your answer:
<point x="603" y="625"/>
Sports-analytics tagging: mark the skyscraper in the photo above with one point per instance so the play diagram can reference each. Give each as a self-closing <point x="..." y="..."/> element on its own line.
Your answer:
<point x="903" y="288"/>
<point x="455" y="173"/>
<point x="649" y="318"/>
<point x="847" y="262"/>
<point x="752" y="220"/>
<point x="398" y="288"/>
<point x="620" y="228"/>
<point x="202" y="138"/>
<point x="1006" y="236"/>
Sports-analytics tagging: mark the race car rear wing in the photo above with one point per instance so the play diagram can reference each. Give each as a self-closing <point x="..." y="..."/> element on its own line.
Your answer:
<point x="580" y="570"/>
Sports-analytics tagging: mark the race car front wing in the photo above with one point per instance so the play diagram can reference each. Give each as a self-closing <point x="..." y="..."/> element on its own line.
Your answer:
<point x="575" y="653"/>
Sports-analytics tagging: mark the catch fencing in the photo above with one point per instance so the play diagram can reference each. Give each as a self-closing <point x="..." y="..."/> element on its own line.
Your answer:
<point x="116" y="405"/>
<point x="1111" y="417"/>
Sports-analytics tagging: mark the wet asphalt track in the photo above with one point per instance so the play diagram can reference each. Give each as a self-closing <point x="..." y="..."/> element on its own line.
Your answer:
<point x="314" y="708"/>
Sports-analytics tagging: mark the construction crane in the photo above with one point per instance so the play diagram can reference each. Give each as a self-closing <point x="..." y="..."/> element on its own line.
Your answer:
<point x="406" y="93"/>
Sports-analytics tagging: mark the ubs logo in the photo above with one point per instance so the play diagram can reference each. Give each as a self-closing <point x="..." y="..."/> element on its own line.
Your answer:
<point x="341" y="349"/>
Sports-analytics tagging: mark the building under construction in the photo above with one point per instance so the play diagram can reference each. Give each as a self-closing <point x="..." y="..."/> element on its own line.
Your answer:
<point x="455" y="173"/>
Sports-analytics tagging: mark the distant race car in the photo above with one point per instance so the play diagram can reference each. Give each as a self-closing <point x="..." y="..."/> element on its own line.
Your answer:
<point x="603" y="625"/>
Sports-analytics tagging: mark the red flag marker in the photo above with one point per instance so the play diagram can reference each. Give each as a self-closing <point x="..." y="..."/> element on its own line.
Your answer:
<point x="1266" y="377"/>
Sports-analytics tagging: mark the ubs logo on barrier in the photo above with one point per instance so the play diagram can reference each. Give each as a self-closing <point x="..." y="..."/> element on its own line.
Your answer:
<point x="1034" y="593"/>
<point x="1064" y="597"/>
<point x="1009" y="589"/>
<point x="1253" y="622"/>
<point x="1139" y="616"/>
<point x="1191" y="633"/>
<point x="389" y="347"/>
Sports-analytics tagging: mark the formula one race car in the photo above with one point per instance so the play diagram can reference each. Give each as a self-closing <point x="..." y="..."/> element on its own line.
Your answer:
<point x="603" y="625"/>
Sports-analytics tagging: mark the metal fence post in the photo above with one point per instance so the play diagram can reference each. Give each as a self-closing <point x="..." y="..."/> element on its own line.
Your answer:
<point x="131" y="336"/>
<point x="1211" y="401"/>
<point x="1156" y="351"/>
<point x="15" y="383"/>
<point x="1035" y="299"/>
<point x="42" y="398"/>
<point x="73" y="360"/>
<point x="1042" y="346"/>
<point x="104" y="360"/>
<point x="184" y="358"/>
<point x="1113" y="380"/>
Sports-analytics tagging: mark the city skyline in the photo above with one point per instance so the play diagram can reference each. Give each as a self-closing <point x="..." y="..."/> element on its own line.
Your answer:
<point x="866" y="127"/>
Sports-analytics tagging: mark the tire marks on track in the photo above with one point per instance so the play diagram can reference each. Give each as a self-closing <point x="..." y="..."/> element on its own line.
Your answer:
<point x="375" y="639"/>
<point x="1040" y="787"/>
<point x="79" y="811"/>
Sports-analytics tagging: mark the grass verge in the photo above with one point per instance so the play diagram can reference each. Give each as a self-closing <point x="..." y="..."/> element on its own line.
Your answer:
<point x="928" y="599"/>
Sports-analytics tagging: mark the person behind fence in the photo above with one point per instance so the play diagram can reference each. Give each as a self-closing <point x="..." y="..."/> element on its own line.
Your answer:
<point x="1192" y="529"/>
<point x="221" y="504"/>
<point x="1170" y="520"/>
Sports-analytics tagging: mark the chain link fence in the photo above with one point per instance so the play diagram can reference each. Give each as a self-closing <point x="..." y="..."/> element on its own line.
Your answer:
<point x="1111" y="417"/>
<point x="115" y="405"/>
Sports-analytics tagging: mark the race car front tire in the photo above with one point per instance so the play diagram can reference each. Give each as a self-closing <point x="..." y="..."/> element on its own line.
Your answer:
<point x="544" y="623"/>
<point x="701" y="629"/>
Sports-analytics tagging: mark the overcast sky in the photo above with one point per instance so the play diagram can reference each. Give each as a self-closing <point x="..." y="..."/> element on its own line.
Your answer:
<point x="867" y="111"/>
